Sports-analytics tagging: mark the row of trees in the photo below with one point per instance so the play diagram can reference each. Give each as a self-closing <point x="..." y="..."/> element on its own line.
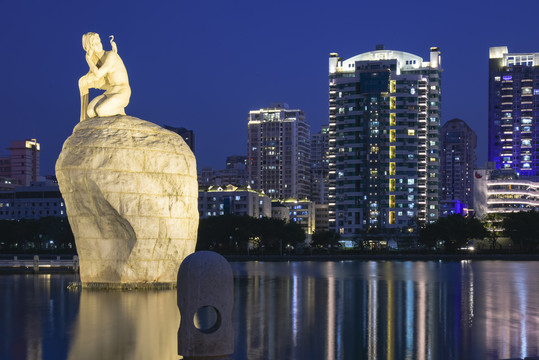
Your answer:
<point x="40" y="235"/>
<point x="244" y="234"/>
<point x="455" y="231"/>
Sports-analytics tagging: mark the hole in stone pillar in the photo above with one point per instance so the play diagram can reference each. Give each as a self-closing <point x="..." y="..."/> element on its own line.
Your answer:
<point x="207" y="319"/>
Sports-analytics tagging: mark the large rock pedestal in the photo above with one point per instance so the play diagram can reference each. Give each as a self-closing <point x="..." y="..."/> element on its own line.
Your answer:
<point x="130" y="189"/>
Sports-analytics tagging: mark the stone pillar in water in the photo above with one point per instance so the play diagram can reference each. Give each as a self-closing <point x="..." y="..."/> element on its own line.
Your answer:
<point x="130" y="189"/>
<point x="206" y="300"/>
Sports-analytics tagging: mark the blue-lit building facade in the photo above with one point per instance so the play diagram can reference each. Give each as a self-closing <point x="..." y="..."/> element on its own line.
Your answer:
<point x="513" y="126"/>
<point x="384" y="118"/>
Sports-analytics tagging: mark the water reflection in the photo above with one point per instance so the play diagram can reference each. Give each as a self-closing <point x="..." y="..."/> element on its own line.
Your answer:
<point x="126" y="325"/>
<point x="387" y="310"/>
<point x="297" y="310"/>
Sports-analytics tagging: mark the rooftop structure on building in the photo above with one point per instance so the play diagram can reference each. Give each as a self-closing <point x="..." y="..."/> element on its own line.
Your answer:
<point x="278" y="151"/>
<point x="513" y="116"/>
<point x="384" y="117"/>
<point x="457" y="163"/>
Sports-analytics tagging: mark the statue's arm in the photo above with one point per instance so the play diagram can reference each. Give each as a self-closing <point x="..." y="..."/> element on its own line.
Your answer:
<point x="106" y="67"/>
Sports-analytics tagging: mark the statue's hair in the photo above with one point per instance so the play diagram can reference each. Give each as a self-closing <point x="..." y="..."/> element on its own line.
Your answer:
<point x="89" y="39"/>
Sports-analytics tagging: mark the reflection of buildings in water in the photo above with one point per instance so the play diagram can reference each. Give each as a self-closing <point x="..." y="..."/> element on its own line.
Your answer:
<point x="372" y="329"/>
<point x="34" y="309"/>
<point x="511" y="309"/>
<point x="390" y="310"/>
<point x="331" y="316"/>
<point x="126" y="324"/>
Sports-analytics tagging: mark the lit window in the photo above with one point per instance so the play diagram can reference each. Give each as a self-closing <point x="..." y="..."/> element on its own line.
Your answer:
<point x="411" y="132"/>
<point x="391" y="217"/>
<point x="392" y="152"/>
<point x="392" y="135"/>
<point x="391" y="184"/>
<point x="392" y="168"/>
<point x="392" y="119"/>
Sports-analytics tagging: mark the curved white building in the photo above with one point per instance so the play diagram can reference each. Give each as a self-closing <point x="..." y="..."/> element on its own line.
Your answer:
<point x="500" y="191"/>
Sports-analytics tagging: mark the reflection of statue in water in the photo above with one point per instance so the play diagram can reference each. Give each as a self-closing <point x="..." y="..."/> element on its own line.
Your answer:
<point x="107" y="72"/>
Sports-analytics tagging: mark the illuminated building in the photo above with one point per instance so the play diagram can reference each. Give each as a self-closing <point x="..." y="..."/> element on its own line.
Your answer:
<point x="279" y="211"/>
<point x="223" y="200"/>
<point x="278" y="152"/>
<point x="513" y="115"/>
<point x="500" y="191"/>
<point x="301" y="212"/>
<point x="384" y="117"/>
<point x="457" y="163"/>
<point x="23" y="163"/>
<point x="320" y="166"/>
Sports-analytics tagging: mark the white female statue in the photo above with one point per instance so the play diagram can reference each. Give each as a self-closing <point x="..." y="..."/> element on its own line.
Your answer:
<point x="107" y="72"/>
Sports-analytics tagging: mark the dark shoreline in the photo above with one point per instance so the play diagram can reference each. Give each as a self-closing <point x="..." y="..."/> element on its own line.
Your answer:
<point x="385" y="257"/>
<point x="318" y="257"/>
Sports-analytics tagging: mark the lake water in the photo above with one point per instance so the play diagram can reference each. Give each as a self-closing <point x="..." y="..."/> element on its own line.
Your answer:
<point x="293" y="310"/>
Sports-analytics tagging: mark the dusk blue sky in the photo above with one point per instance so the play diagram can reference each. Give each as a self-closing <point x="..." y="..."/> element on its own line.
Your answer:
<point x="203" y="65"/>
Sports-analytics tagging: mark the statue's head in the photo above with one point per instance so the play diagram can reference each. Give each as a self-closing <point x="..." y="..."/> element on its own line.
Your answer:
<point x="92" y="41"/>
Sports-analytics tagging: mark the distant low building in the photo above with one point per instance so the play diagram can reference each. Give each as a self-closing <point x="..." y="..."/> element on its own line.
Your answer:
<point x="230" y="199"/>
<point x="301" y="212"/>
<point x="39" y="200"/>
<point x="279" y="211"/>
<point x="210" y="177"/>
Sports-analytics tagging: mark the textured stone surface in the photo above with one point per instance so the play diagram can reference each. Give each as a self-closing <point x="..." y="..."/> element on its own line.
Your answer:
<point x="205" y="282"/>
<point x="130" y="189"/>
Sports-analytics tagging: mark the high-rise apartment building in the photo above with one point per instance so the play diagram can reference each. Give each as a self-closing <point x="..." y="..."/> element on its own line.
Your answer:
<point x="320" y="166"/>
<point x="23" y="163"/>
<point x="457" y="161"/>
<point x="278" y="152"/>
<point x="384" y="117"/>
<point x="513" y="116"/>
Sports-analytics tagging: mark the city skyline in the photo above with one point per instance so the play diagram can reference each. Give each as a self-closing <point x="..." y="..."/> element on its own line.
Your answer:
<point x="204" y="66"/>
